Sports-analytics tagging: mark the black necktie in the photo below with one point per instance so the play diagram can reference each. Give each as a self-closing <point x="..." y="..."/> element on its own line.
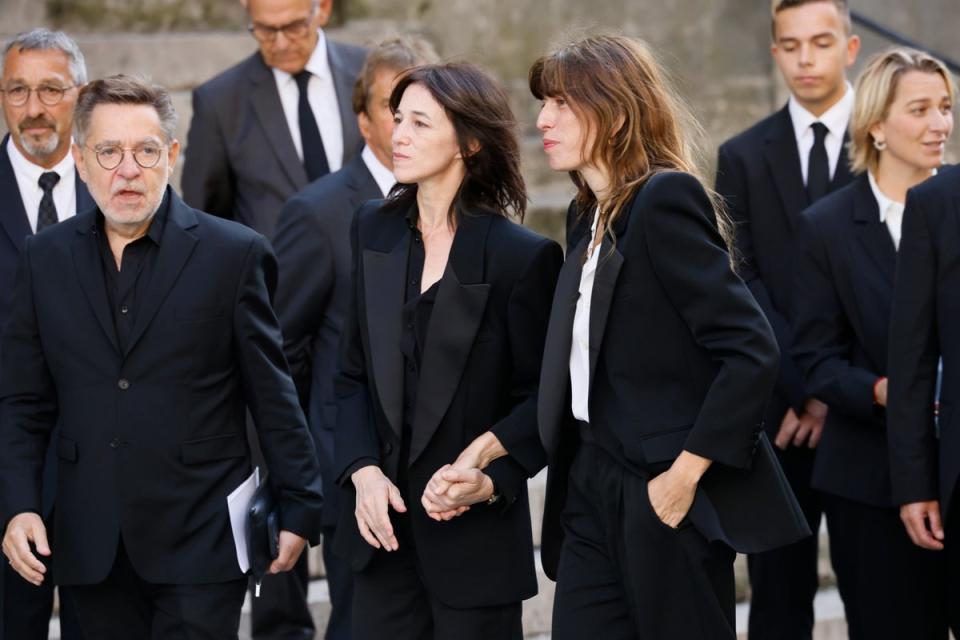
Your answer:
<point x="47" y="216"/>
<point x="818" y="167"/>
<point x="314" y="156"/>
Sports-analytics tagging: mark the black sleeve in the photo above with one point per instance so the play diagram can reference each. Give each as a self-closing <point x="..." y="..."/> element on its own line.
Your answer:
<point x="208" y="182"/>
<point x="692" y="263"/>
<point x="823" y="336"/>
<point x="272" y="399"/>
<point x="912" y="361"/>
<point x="732" y="186"/>
<point x="28" y="402"/>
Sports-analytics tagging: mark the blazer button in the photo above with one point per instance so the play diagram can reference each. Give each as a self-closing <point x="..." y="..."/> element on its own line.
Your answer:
<point x="115" y="443"/>
<point x="123" y="384"/>
<point x="388" y="448"/>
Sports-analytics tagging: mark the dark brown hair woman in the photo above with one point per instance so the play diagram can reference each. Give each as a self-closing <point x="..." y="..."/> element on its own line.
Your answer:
<point x="657" y="365"/>
<point x="436" y="432"/>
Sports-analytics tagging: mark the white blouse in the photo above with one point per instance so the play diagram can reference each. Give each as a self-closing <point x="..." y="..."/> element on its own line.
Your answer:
<point x="580" y="344"/>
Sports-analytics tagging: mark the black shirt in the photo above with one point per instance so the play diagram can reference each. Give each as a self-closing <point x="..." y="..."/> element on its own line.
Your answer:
<point x="125" y="286"/>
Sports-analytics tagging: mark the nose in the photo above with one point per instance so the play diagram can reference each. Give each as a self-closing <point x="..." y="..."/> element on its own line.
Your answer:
<point x="128" y="167"/>
<point x="806" y="54"/>
<point x="34" y="106"/>
<point x="545" y="118"/>
<point x="941" y="122"/>
<point x="399" y="135"/>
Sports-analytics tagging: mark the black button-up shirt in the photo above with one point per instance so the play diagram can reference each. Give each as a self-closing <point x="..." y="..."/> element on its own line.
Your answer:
<point x="125" y="286"/>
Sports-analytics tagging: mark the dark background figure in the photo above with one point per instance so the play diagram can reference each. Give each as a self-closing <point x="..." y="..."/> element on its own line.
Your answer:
<point x="256" y="138"/>
<point x="767" y="175"/>
<point x="924" y="446"/>
<point x="844" y="289"/>
<point x="261" y="131"/>
<point x="43" y="71"/>
<point x="656" y="366"/>
<point x="312" y="242"/>
<point x="145" y="328"/>
<point x="441" y="350"/>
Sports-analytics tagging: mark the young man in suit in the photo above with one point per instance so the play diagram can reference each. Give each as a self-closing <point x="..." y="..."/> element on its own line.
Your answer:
<point x="145" y="328"/>
<point x="313" y="248"/>
<point x="924" y="446"/>
<point x="767" y="175"/>
<point x="42" y="74"/>
<point x="265" y="128"/>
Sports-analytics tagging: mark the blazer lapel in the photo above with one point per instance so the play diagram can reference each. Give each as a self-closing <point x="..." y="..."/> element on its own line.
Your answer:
<point x="384" y="279"/>
<point x="361" y="183"/>
<point x="872" y="234"/>
<point x="176" y="245"/>
<point x="555" y="372"/>
<point x="842" y="176"/>
<point x="269" y="111"/>
<point x="456" y="317"/>
<point x="84" y="199"/>
<point x="783" y="158"/>
<point x="87" y="265"/>
<point x="343" y="84"/>
<point x="13" y="217"/>
<point x="609" y="263"/>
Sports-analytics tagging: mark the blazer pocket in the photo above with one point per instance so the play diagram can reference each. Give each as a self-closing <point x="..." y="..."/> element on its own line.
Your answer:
<point x="67" y="449"/>
<point x="661" y="447"/>
<point x="202" y="450"/>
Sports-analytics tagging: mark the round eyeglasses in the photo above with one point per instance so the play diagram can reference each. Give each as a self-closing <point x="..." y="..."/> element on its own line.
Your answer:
<point x="48" y="94"/>
<point x="146" y="155"/>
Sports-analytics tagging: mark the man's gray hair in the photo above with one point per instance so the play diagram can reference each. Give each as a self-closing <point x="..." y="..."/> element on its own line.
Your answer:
<point x="42" y="39"/>
<point x="123" y="89"/>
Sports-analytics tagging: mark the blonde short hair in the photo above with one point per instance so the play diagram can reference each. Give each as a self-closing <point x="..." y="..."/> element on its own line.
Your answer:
<point x="875" y="90"/>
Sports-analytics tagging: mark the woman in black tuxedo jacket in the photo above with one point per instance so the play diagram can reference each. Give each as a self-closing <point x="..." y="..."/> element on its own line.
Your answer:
<point x="440" y="359"/>
<point x="844" y="293"/>
<point x="657" y="366"/>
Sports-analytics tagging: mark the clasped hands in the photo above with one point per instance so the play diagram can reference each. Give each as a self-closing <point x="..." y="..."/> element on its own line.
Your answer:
<point x="449" y="493"/>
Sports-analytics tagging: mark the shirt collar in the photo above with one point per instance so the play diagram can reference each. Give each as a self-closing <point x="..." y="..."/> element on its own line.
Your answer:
<point x="381" y="175"/>
<point x="316" y="64"/>
<point x="836" y="118"/>
<point x="34" y="171"/>
<point x="884" y="203"/>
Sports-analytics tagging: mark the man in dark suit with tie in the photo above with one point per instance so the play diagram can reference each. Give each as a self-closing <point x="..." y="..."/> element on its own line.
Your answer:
<point x="924" y="446"/>
<point x="265" y="128"/>
<point x="313" y="248"/>
<point x="42" y="75"/>
<point x="767" y="175"/>
<point x="145" y="328"/>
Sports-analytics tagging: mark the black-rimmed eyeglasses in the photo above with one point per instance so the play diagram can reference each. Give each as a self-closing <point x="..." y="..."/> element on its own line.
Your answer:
<point x="145" y="155"/>
<point x="291" y="31"/>
<point x="48" y="94"/>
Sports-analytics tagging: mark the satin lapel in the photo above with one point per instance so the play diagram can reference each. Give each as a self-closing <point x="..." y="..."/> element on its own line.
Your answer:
<point x="269" y="112"/>
<point x="176" y="245"/>
<point x="13" y="217"/>
<point x="87" y="265"/>
<point x="783" y="159"/>
<point x="873" y="235"/>
<point x="384" y="278"/>
<point x="604" y="282"/>
<point x="456" y="317"/>
<point x="555" y="372"/>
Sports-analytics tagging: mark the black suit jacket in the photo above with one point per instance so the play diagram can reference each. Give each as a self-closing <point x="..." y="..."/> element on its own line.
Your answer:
<point x="759" y="177"/>
<point x="14" y="231"/>
<point x="241" y="163"/>
<point x="152" y="438"/>
<point x="481" y="365"/>
<point x="313" y="249"/>
<point x="841" y="319"/>
<point x="925" y="459"/>
<point x="681" y="357"/>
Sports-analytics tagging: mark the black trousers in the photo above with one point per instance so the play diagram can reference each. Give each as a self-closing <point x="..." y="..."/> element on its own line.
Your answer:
<point x="784" y="581"/>
<point x="952" y="550"/>
<point x="26" y="609"/>
<point x="340" y="586"/>
<point x="891" y="588"/>
<point x="391" y="601"/>
<point x="124" y="607"/>
<point x="281" y="612"/>
<point x="625" y="575"/>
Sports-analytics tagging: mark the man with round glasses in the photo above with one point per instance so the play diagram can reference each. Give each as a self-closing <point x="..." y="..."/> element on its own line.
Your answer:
<point x="42" y="74"/>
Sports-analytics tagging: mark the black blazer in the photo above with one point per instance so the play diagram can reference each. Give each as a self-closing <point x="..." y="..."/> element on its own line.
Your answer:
<point x="759" y="177"/>
<point x="841" y="319"/>
<point x="152" y="438"/>
<point x="681" y="357"/>
<point x="14" y="230"/>
<point x="240" y="162"/>
<point x="481" y="365"/>
<point x="313" y="249"/>
<point x="925" y="327"/>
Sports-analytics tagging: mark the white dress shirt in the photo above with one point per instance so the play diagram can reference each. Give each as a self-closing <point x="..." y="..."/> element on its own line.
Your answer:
<point x="383" y="176"/>
<point x="322" y="96"/>
<point x="891" y="212"/>
<point x="835" y="119"/>
<point x="28" y="181"/>
<point x="580" y="342"/>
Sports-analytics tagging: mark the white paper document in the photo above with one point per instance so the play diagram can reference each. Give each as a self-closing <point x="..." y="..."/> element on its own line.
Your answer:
<point x="238" y="503"/>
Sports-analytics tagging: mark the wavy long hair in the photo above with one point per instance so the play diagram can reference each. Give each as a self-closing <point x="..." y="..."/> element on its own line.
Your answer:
<point x="641" y="127"/>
